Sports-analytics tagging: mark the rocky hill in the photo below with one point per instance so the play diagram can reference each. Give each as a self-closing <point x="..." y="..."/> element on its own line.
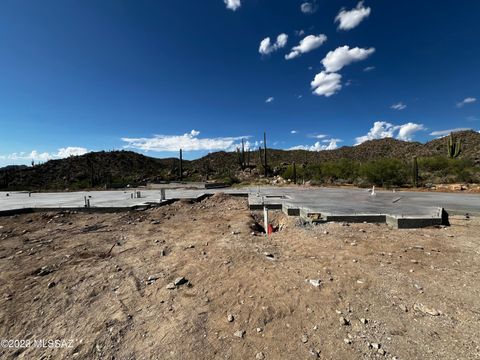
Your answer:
<point x="119" y="168"/>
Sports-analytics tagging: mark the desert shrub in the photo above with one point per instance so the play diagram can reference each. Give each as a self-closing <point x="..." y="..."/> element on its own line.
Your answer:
<point x="288" y="173"/>
<point x="385" y="172"/>
<point x="442" y="169"/>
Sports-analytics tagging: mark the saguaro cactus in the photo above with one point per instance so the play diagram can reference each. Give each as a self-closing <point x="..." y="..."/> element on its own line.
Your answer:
<point x="454" y="147"/>
<point x="415" y="171"/>
<point x="265" y="153"/>
<point x="181" y="164"/>
<point x="294" y="173"/>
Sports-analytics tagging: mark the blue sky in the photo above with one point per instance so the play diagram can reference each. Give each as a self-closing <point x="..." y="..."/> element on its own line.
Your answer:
<point x="153" y="76"/>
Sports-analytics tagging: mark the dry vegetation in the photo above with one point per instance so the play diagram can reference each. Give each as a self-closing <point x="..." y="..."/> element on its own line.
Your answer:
<point x="382" y="293"/>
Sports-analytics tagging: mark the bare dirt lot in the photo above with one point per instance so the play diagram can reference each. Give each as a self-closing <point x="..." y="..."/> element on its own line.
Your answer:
<point x="332" y="291"/>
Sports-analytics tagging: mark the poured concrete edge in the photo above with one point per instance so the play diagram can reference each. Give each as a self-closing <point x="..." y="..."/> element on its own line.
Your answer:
<point x="314" y="216"/>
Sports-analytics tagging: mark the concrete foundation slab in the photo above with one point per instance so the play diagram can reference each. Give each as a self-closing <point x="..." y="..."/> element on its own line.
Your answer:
<point x="399" y="209"/>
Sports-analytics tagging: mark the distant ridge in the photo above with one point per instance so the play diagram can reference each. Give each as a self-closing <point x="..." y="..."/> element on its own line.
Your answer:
<point x="118" y="168"/>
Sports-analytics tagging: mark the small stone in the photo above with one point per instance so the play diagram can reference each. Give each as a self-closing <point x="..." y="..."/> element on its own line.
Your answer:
<point x="171" y="286"/>
<point x="259" y="329"/>
<point x="426" y="310"/>
<point x="347" y="341"/>
<point x="152" y="278"/>
<point x="355" y="260"/>
<point x="230" y="318"/>
<point x="239" y="334"/>
<point x="363" y="320"/>
<point x="414" y="261"/>
<point x="403" y="307"/>
<point x="304" y="338"/>
<point x="51" y="284"/>
<point x="315" y="282"/>
<point x="343" y="321"/>
<point x="381" y="351"/>
<point x="375" y="346"/>
<point x="314" y="353"/>
<point x="260" y="356"/>
<point x="180" y="281"/>
<point x="325" y="232"/>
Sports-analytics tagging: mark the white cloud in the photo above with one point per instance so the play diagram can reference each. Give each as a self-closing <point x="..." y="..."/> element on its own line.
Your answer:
<point x="266" y="46"/>
<point x="309" y="7"/>
<point x="369" y="68"/>
<point x="294" y="132"/>
<point x="329" y="144"/>
<point x="232" y="4"/>
<point x="270" y="99"/>
<point x="70" y="151"/>
<point x="349" y="19"/>
<point x="300" y="32"/>
<point x="186" y="142"/>
<point x="325" y="84"/>
<point x="468" y="100"/>
<point x="45" y="156"/>
<point x="447" y="132"/>
<point x="342" y="56"/>
<point x="307" y="44"/>
<point x="382" y="129"/>
<point x="398" y="106"/>
<point x="407" y="131"/>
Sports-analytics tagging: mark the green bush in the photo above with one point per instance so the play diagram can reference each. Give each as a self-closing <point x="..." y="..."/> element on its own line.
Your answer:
<point x="385" y="172"/>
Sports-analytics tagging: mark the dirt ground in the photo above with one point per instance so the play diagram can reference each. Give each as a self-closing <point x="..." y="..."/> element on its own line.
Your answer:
<point x="375" y="292"/>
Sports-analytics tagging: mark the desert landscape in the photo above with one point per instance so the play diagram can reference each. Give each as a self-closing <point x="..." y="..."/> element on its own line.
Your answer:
<point x="195" y="280"/>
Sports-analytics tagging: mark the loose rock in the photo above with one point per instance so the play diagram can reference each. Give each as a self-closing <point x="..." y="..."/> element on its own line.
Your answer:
<point x="239" y="333"/>
<point x="180" y="281"/>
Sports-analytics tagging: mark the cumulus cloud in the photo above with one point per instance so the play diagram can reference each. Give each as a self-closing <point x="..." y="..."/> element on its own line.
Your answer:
<point x="267" y="47"/>
<point x="343" y="56"/>
<point x="398" y="106"/>
<point x="187" y="142"/>
<point x="349" y="19"/>
<point x="293" y="132"/>
<point x="232" y="4"/>
<point x="309" y="7"/>
<point x="45" y="156"/>
<point x="442" y="133"/>
<point x="329" y="144"/>
<point x="383" y="129"/>
<point x="369" y="68"/>
<point x="468" y="100"/>
<point x="270" y="99"/>
<point x="325" y="84"/>
<point x="307" y="44"/>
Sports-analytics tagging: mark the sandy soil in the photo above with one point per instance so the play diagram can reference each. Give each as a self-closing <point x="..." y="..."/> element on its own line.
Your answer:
<point x="382" y="293"/>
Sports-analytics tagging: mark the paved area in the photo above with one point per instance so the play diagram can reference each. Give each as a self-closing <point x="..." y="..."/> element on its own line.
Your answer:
<point x="313" y="203"/>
